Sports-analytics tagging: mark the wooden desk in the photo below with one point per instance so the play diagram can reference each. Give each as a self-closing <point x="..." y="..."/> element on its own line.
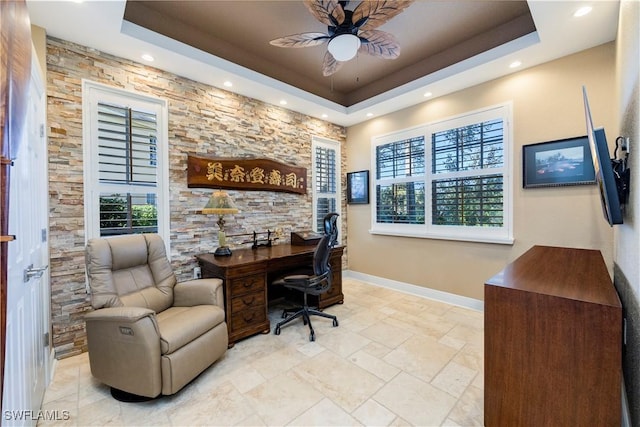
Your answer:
<point x="247" y="273"/>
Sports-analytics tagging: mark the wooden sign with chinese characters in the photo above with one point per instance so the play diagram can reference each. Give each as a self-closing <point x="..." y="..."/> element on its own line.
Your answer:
<point x="245" y="174"/>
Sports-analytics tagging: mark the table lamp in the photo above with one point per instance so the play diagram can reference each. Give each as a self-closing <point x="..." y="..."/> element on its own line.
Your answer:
<point x="220" y="204"/>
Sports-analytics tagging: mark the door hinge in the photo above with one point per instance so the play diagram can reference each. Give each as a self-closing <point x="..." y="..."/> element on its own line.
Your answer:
<point x="41" y="130"/>
<point x="44" y="235"/>
<point x="46" y="339"/>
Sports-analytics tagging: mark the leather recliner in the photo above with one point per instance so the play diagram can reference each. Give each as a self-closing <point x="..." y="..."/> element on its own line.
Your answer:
<point x="149" y="335"/>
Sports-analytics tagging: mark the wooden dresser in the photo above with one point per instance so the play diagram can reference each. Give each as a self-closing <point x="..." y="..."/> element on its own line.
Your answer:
<point x="553" y="341"/>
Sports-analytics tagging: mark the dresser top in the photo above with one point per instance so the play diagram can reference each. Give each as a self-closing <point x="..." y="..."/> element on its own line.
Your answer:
<point x="578" y="274"/>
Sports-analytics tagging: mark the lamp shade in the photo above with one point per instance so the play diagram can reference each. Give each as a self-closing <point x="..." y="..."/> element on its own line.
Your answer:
<point x="344" y="47"/>
<point x="221" y="204"/>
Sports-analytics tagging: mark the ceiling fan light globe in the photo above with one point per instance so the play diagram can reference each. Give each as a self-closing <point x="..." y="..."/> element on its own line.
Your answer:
<point x="344" y="47"/>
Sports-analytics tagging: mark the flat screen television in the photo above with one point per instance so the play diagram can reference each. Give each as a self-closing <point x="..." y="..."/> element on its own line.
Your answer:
<point x="605" y="177"/>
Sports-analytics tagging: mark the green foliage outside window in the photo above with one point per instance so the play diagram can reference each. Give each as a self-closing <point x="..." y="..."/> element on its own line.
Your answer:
<point x="118" y="215"/>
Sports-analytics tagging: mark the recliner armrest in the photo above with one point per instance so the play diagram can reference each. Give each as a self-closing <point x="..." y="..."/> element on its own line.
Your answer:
<point x="199" y="292"/>
<point x="119" y="314"/>
<point x="124" y="349"/>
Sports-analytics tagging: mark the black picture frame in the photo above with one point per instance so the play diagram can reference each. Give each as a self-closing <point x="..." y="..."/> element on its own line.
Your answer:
<point x="358" y="187"/>
<point x="558" y="163"/>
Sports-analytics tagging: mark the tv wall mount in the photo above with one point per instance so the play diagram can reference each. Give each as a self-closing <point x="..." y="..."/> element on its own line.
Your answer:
<point x="620" y="170"/>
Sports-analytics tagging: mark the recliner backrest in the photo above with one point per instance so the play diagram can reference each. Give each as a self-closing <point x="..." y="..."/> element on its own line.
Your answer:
<point x="131" y="270"/>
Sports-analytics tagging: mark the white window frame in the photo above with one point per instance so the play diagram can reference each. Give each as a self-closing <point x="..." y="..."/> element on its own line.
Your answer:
<point x="500" y="235"/>
<point x="334" y="145"/>
<point x="92" y="93"/>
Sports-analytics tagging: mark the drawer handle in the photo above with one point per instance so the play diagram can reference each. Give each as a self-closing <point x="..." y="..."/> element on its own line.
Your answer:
<point x="249" y="283"/>
<point x="248" y="301"/>
<point x="248" y="318"/>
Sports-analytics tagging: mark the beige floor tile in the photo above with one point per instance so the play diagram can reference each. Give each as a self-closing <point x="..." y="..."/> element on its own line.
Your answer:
<point x="466" y="316"/>
<point x="246" y="379"/>
<point x="224" y="406"/>
<point x="375" y="365"/>
<point x="66" y="410"/>
<point x="344" y="342"/>
<point x="416" y="401"/>
<point x="371" y="413"/>
<point x="325" y="413"/>
<point x="278" y="362"/>
<point x="282" y="399"/>
<point x="362" y="320"/>
<point x="469" y="409"/>
<point x="421" y="356"/>
<point x="467" y="333"/>
<point x="101" y="412"/>
<point x="385" y="333"/>
<point x="376" y="349"/>
<point x="343" y="382"/>
<point x="423" y="324"/>
<point x="454" y="379"/>
<point x="144" y="414"/>
<point x="372" y="370"/>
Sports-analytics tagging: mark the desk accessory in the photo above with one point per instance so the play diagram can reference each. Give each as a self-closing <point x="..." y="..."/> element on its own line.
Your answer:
<point x="305" y="238"/>
<point x="221" y="204"/>
<point x="257" y="242"/>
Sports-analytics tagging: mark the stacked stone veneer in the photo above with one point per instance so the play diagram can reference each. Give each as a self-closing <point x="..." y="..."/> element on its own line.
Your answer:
<point x="203" y="120"/>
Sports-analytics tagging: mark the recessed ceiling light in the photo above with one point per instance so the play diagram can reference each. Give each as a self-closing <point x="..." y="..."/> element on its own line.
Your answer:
<point x="324" y="116"/>
<point x="427" y="94"/>
<point x="147" y="57"/>
<point x="515" y="64"/>
<point x="228" y="84"/>
<point x="585" y="10"/>
<point x="283" y="102"/>
<point x="369" y="114"/>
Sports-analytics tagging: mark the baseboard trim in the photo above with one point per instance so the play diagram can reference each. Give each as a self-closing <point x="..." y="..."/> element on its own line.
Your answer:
<point x="407" y="288"/>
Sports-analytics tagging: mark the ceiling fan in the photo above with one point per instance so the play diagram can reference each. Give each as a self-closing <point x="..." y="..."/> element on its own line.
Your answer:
<point x="349" y="31"/>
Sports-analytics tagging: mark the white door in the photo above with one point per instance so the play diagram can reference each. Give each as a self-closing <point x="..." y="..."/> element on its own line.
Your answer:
<point x="26" y="361"/>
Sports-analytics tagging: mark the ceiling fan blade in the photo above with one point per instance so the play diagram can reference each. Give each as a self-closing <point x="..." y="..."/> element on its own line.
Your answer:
<point x="300" y="40"/>
<point x="329" y="12"/>
<point x="379" y="43"/>
<point x="371" y="14"/>
<point x="330" y="65"/>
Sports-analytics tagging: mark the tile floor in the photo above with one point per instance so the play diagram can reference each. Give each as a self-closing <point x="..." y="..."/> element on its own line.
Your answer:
<point x="395" y="360"/>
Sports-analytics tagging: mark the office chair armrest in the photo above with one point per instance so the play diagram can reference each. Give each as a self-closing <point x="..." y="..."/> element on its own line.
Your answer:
<point x="199" y="292"/>
<point x="296" y="277"/>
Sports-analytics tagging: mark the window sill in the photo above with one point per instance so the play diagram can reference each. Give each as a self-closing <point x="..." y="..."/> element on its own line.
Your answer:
<point x="499" y="240"/>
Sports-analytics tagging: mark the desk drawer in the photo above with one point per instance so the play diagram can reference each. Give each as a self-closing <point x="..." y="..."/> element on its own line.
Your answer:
<point x="243" y="302"/>
<point x="247" y="318"/>
<point x="247" y="284"/>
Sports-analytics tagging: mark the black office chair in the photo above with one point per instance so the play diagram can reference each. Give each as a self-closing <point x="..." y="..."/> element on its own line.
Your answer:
<point x="316" y="283"/>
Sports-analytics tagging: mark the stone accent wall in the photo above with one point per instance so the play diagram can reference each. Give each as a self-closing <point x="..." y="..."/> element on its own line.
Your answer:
<point x="203" y="120"/>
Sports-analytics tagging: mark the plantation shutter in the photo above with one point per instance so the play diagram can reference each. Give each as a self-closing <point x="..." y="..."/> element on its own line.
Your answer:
<point x="400" y="190"/>
<point x="326" y="183"/>
<point x="467" y="189"/>
<point x="128" y="178"/>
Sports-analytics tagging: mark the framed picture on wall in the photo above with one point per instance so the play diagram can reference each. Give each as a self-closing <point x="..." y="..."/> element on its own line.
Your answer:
<point x="557" y="163"/>
<point x="358" y="187"/>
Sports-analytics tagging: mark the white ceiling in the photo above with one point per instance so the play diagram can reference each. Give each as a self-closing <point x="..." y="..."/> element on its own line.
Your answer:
<point x="100" y="25"/>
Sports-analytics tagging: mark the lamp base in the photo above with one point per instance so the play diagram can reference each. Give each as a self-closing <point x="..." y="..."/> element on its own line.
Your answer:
<point x="222" y="251"/>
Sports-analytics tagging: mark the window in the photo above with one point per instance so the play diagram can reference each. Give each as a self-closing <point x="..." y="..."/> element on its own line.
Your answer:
<point x="126" y="149"/>
<point x="326" y="180"/>
<point x="449" y="179"/>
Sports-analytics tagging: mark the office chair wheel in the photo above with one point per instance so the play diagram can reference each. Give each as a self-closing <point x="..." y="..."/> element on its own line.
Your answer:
<point x="277" y="330"/>
<point x="335" y="322"/>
